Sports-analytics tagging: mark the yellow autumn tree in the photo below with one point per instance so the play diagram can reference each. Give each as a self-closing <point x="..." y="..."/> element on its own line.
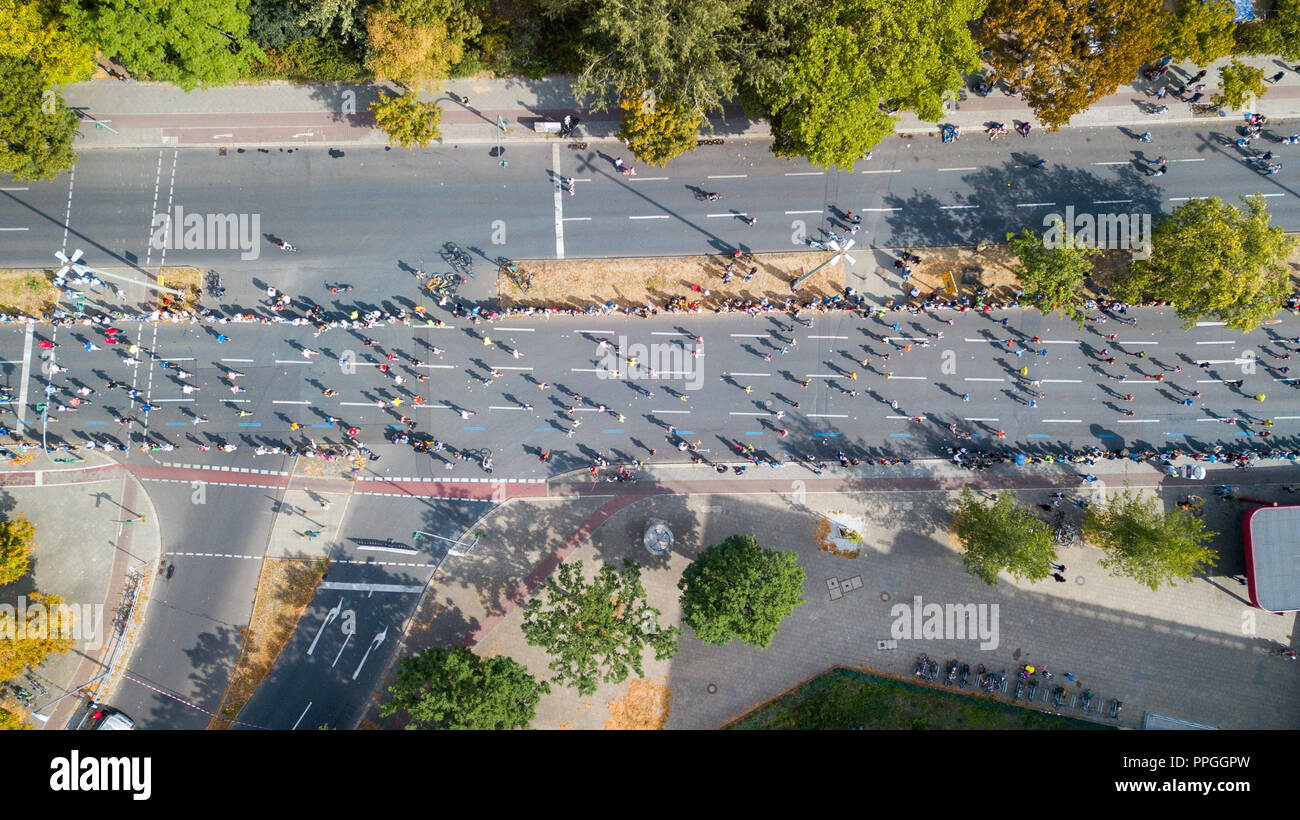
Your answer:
<point x="657" y="130"/>
<point x="37" y="33"/>
<point x="8" y="720"/>
<point x="27" y="642"/>
<point x="414" y="42"/>
<point x="1067" y="54"/>
<point x="15" y="548"/>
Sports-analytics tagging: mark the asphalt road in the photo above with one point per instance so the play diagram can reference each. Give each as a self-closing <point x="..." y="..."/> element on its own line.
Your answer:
<point x="365" y="216"/>
<point x="736" y="387"/>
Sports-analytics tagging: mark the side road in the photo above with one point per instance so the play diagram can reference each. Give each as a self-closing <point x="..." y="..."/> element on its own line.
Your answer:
<point x="140" y="114"/>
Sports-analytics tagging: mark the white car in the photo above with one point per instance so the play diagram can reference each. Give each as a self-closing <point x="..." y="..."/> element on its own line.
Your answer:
<point x="106" y="717"/>
<point x="1195" y="472"/>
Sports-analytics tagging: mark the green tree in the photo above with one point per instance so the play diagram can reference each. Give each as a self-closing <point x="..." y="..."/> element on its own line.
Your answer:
<point x="681" y="50"/>
<point x="36" y="31"/>
<point x="1146" y="544"/>
<point x="1239" y="82"/>
<point x="1002" y="535"/>
<point x="456" y="689"/>
<point x="596" y="631"/>
<point x="738" y="589"/>
<point x="415" y="42"/>
<point x="187" y="42"/>
<point x="407" y="121"/>
<point x="1201" y="31"/>
<point x="1067" y="54"/>
<point x="15" y="548"/>
<point x="842" y="60"/>
<point x="345" y="16"/>
<point x="1210" y="257"/>
<point x="36" y="127"/>
<point x="657" y="133"/>
<point x="1051" y="270"/>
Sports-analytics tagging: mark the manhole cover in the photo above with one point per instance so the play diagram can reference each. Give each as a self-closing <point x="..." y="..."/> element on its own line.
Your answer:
<point x="884" y="596"/>
<point x="712" y="688"/>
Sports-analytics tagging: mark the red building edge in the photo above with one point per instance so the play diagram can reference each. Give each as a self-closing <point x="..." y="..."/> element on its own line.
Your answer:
<point x="1273" y="551"/>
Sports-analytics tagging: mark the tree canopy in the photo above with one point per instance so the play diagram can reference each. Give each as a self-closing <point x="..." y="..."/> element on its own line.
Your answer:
<point x="1002" y="535"/>
<point x="414" y="42"/>
<point x="187" y="42"/>
<point x="36" y="126"/>
<point x="1238" y="83"/>
<point x="1052" y="278"/>
<point x="1145" y="543"/>
<point x="738" y="589"/>
<point x="842" y="64"/>
<point x="456" y="689"/>
<point x="682" y="50"/>
<point x="1066" y="54"/>
<point x="657" y="133"/>
<point x="596" y="631"/>
<point x="1212" y="258"/>
<point x="20" y="648"/>
<point x="1201" y="31"/>
<point x="35" y="31"/>
<point x="407" y="121"/>
<point x="15" y="548"/>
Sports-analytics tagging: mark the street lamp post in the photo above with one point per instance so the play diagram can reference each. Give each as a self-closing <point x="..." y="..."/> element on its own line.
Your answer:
<point x="502" y="125"/>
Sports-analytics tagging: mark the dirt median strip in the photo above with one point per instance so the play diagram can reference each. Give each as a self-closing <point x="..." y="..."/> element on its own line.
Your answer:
<point x="577" y="283"/>
<point x="284" y="589"/>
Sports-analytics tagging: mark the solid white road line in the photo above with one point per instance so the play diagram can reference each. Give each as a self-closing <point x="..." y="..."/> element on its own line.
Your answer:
<point x="559" y="202"/>
<point x="278" y="401"/>
<point x="1061" y="421"/>
<point x="805" y="173"/>
<point x="941" y="170"/>
<point x="519" y="329"/>
<point x="977" y="419"/>
<point x="1061" y="381"/>
<point x="1137" y="421"/>
<point x="956" y="207"/>
<point x="749" y="374"/>
<point x="27" y="372"/>
<point x="656" y="216"/>
<point x="803" y="212"/>
<point x="1228" y="342"/>
<point x="973" y="379"/>
<point x="726" y="176"/>
<point x="889" y="171"/>
<point x="913" y="378"/>
<point x="828" y="337"/>
<point x="879" y="210"/>
<point x="827" y="416"/>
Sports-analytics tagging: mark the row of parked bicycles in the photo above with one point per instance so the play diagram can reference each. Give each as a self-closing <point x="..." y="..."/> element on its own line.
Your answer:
<point x="1032" y="686"/>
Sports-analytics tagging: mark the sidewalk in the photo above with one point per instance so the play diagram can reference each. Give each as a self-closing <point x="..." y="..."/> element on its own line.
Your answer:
<point x="89" y="549"/>
<point x="137" y="114"/>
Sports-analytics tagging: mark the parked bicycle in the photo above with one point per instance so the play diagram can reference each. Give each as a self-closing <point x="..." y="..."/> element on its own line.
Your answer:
<point x="458" y="259"/>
